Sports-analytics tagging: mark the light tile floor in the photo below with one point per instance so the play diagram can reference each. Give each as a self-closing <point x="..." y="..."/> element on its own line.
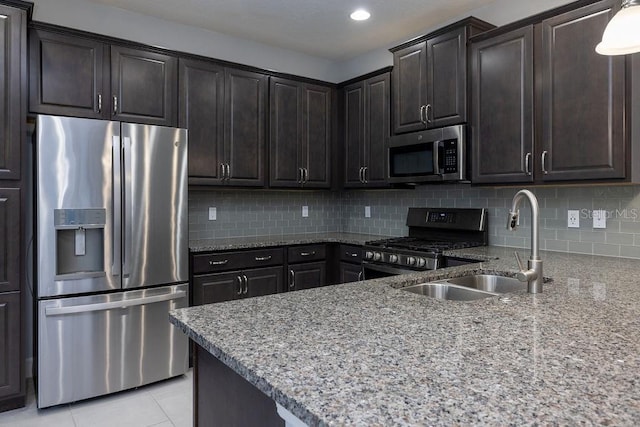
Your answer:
<point x="164" y="404"/>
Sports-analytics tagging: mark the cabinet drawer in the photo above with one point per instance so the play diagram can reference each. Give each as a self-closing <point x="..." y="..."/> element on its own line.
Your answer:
<point x="350" y="253"/>
<point x="224" y="261"/>
<point x="306" y="253"/>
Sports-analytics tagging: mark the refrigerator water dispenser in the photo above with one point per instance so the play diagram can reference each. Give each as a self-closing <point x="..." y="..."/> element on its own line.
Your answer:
<point x="79" y="243"/>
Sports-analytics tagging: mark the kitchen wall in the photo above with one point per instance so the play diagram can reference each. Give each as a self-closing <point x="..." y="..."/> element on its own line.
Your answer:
<point x="263" y="213"/>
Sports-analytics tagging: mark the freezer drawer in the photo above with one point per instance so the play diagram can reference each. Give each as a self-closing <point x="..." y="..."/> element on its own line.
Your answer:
<point x="94" y="345"/>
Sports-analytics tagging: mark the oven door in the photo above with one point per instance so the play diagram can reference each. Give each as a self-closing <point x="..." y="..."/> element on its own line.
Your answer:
<point x="372" y="270"/>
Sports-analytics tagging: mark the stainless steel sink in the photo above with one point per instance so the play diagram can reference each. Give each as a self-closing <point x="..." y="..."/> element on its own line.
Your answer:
<point x="490" y="283"/>
<point x="468" y="288"/>
<point x="448" y="292"/>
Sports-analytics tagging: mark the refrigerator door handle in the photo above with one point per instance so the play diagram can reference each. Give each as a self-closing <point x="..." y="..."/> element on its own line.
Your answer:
<point x="117" y="207"/>
<point x="127" y="214"/>
<point x="86" y="308"/>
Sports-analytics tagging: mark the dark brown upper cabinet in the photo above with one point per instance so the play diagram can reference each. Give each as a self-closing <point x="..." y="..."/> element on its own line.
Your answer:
<point x="66" y="75"/>
<point x="430" y="78"/>
<point x="577" y="130"/>
<point x="143" y="86"/>
<point x="582" y="96"/>
<point x="502" y="108"/>
<point x="366" y="132"/>
<point x="202" y="113"/>
<point x="245" y="94"/>
<point x="224" y="110"/>
<point x="300" y="139"/>
<point x="71" y="75"/>
<point x="12" y="83"/>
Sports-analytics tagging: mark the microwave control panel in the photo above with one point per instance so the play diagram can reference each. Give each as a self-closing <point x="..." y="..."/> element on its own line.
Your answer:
<point x="450" y="163"/>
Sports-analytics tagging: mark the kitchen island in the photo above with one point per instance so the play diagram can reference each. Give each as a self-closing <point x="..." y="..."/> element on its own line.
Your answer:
<point x="367" y="353"/>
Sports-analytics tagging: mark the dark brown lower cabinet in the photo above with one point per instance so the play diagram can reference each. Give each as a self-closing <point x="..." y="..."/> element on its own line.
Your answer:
<point x="11" y="374"/>
<point x="219" y="287"/>
<point x="221" y="397"/>
<point x="350" y="272"/>
<point x="308" y="275"/>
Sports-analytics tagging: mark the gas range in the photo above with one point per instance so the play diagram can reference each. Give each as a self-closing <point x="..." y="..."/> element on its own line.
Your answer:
<point x="431" y="232"/>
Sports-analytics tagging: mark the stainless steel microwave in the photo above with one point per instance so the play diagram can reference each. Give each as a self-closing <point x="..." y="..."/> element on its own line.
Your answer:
<point x="434" y="155"/>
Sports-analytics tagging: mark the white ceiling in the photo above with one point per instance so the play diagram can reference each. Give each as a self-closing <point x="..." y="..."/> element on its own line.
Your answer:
<point x="321" y="28"/>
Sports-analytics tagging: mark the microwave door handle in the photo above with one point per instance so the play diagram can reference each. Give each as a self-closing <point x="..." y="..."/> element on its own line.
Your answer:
<point x="436" y="158"/>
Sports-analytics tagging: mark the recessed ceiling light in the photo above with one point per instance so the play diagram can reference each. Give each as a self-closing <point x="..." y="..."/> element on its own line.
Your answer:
<point x="360" y="15"/>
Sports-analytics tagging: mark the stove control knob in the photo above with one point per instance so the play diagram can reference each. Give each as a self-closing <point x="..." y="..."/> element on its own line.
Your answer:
<point x="368" y="255"/>
<point x="411" y="261"/>
<point x="377" y="256"/>
<point x="393" y="258"/>
<point x="421" y="262"/>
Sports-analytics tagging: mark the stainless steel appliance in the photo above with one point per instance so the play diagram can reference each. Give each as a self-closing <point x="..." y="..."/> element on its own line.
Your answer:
<point x="112" y="256"/>
<point x="434" y="155"/>
<point x="431" y="232"/>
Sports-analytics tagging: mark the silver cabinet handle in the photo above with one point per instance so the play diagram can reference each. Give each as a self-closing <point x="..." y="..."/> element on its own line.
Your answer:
<point x="527" y="163"/>
<point x="299" y="177"/>
<point x="246" y="284"/>
<point x="239" y="285"/>
<point x="263" y="258"/>
<point x="228" y="171"/>
<point x="426" y="113"/>
<point x="360" y="276"/>
<point x="292" y="279"/>
<point x="423" y="115"/>
<point x="222" y="172"/>
<point x="223" y="262"/>
<point x="353" y="255"/>
<point x="544" y="162"/>
<point x="99" y="103"/>
<point x="85" y="308"/>
<point x="308" y="253"/>
<point x="115" y="104"/>
<point x="305" y="175"/>
<point x="364" y="174"/>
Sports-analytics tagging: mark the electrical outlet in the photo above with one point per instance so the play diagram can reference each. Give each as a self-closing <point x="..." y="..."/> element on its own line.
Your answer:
<point x="213" y="213"/>
<point x="305" y="211"/>
<point x="599" y="219"/>
<point x="367" y="211"/>
<point x="573" y="218"/>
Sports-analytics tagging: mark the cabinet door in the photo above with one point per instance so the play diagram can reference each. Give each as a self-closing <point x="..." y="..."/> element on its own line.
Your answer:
<point x="244" y="130"/>
<point x="10" y="234"/>
<point x="502" y="108"/>
<point x="264" y="281"/>
<point x="377" y="118"/>
<point x="582" y="95"/>
<point x="12" y="62"/>
<point x="10" y="344"/>
<point x="67" y="76"/>
<point x="219" y="287"/>
<point x="316" y="135"/>
<point x="350" y="272"/>
<point x="201" y="112"/>
<point x="353" y="134"/>
<point x="447" y="78"/>
<point x="143" y="86"/>
<point x="409" y="87"/>
<point x="308" y="275"/>
<point x="285" y="143"/>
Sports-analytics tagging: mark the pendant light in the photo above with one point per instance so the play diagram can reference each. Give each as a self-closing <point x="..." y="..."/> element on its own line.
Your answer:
<point x="622" y="35"/>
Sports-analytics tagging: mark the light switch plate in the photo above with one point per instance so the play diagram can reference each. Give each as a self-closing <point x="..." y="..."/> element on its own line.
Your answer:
<point x="573" y="218"/>
<point x="305" y="211"/>
<point x="213" y="213"/>
<point x="599" y="219"/>
<point x="367" y="211"/>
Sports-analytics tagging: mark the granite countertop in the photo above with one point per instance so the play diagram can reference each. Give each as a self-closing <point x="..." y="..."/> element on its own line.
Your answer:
<point x="367" y="353"/>
<point x="207" y="245"/>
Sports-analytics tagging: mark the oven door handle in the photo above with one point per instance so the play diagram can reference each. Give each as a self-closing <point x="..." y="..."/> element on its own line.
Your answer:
<point x="384" y="269"/>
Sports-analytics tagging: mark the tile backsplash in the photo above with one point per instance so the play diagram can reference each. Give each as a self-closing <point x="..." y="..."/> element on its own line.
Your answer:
<point x="262" y="213"/>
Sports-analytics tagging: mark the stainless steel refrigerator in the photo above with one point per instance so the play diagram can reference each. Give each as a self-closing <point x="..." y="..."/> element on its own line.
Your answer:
<point x="111" y="255"/>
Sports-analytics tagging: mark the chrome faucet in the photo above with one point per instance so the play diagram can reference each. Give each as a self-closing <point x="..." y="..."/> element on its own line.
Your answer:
<point x="533" y="274"/>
